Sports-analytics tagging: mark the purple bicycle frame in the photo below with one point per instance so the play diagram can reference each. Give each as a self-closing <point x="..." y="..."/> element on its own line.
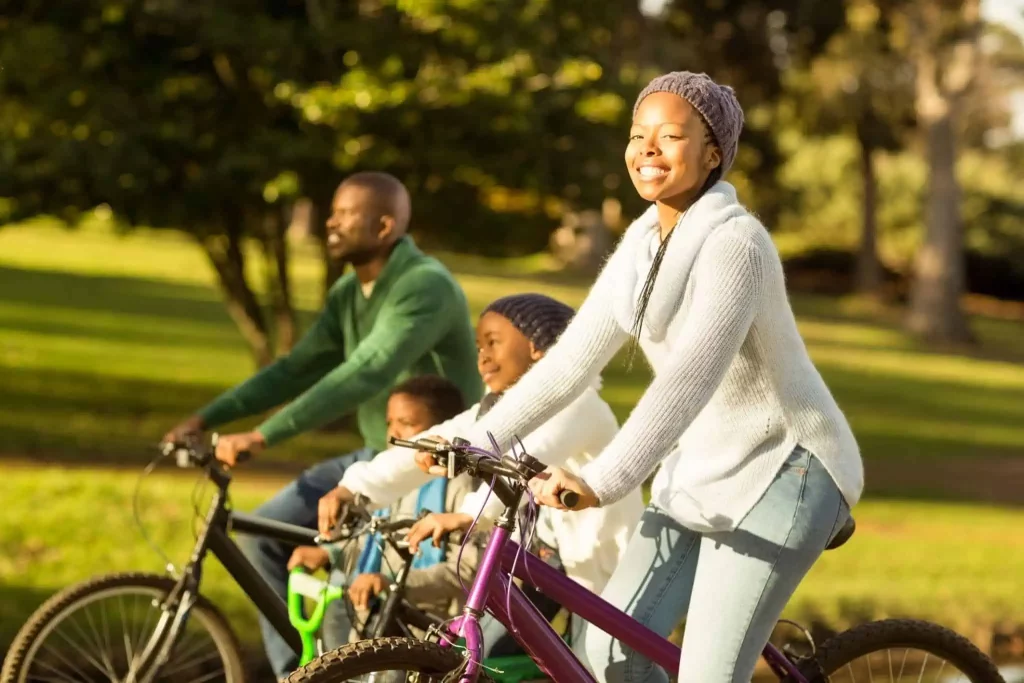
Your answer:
<point x="532" y="631"/>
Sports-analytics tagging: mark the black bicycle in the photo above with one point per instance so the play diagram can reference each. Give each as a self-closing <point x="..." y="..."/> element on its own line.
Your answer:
<point x="149" y="628"/>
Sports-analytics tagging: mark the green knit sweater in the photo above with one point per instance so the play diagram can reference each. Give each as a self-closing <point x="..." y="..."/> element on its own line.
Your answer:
<point x="416" y="321"/>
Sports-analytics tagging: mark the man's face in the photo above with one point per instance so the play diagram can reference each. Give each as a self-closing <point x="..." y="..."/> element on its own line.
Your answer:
<point x="354" y="226"/>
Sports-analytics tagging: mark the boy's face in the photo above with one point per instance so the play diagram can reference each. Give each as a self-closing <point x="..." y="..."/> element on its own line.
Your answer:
<point x="504" y="354"/>
<point x="407" y="416"/>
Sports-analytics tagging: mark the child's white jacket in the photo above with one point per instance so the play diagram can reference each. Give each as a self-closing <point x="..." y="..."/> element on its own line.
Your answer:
<point x="589" y="542"/>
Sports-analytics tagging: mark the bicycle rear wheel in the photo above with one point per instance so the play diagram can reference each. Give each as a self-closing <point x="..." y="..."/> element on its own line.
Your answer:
<point x="384" y="659"/>
<point x="899" y="650"/>
<point x="93" y="631"/>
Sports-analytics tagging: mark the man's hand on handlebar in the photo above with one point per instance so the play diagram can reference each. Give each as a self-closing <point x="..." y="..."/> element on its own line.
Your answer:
<point x="183" y="431"/>
<point x="436" y="525"/>
<point x="331" y="508"/>
<point x="550" y="484"/>
<point x="234" y="448"/>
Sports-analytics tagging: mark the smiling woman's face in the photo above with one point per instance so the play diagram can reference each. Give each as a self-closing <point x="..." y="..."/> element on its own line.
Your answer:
<point x="670" y="152"/>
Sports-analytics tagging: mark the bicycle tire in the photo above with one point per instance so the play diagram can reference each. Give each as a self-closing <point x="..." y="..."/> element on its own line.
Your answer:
<point x="382" y="654"/>
<point x="64" y="602"/>
<point x="846" y="647"/>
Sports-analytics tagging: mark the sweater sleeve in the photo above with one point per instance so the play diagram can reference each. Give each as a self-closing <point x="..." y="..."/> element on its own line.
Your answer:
<point x="566" y="370"/>
<point x="393" y="473"/>
<point x="414" y="319"/>
<point x="554" y="442"/>
<point x="318" y="351"/>
<point x="729" y="278"/>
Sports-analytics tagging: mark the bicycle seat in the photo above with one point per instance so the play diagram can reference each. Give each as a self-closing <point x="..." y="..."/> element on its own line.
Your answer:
<point x="843" y="535"/>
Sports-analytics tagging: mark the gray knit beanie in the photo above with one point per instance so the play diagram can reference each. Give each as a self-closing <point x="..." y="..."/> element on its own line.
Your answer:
<point x="717" y="104"/>
<point x="540" y="318"/>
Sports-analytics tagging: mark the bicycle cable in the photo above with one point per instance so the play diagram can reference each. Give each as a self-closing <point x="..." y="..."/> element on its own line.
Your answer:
<point x="527" y="518"/>
<point x="199" y="487"/>
<point x="169" y="566"/>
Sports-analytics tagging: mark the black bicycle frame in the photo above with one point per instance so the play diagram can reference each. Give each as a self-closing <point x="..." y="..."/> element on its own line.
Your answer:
<point x="215" y="538"/>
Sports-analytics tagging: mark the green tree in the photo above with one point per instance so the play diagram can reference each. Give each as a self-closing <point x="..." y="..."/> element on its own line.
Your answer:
<point x="750" y="44"/>
<point x="498" y="116"/>
<point x="860" y="85"/>
<point x="167" y="112"/>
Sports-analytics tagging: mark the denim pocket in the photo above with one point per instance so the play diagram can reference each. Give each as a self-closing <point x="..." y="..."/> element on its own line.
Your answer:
<point x="798" y="461"/>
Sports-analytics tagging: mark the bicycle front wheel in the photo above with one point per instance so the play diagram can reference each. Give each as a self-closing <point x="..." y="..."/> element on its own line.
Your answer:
<point x="95" y="631"/>
<point x="385" y="660"/>
<point x="901" y="650"/>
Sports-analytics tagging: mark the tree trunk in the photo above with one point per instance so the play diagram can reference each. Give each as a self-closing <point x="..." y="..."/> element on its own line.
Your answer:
<point x="944" y="73"/>
<point x="869" y="267"/>
<point x="228" y="260"/>
<point x="935" y="312"/>
<point x="275" y="250"/>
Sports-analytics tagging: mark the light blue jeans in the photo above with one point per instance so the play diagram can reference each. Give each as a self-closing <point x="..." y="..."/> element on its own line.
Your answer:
<point x="730" y="586"/>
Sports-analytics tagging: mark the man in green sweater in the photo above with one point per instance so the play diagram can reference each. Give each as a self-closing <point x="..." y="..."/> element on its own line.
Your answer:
<point x="396" y="314"/>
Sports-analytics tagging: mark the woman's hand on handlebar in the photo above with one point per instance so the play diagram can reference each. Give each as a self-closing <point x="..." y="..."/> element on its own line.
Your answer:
<point x="436" y="525"/>
<point x="550" y="485"/>
<point x="427" y="461"/>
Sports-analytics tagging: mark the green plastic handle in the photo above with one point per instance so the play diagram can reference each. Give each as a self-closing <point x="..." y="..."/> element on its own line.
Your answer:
<point x="308" y="626"/>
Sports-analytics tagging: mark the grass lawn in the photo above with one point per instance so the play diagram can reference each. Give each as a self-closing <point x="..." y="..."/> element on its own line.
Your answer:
<point x="106" y="341"/>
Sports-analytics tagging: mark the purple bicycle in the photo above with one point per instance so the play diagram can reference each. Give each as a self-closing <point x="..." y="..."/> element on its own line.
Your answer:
<point x="891" y="650"/>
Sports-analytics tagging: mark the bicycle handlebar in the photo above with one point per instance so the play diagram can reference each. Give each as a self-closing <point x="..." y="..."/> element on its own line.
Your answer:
<point x="191" y="454"/>
<point x="460" y="456"/>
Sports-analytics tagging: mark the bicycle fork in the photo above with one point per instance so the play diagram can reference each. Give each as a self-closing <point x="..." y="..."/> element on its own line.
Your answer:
<point x="175" y="608"/>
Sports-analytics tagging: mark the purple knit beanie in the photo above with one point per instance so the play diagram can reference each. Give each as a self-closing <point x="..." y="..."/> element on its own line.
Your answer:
<point x="540" y="318"/>
<point x="717" y="104"/>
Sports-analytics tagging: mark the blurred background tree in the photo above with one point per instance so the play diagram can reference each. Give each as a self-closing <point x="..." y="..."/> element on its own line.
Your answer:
<point x="864" y="121"/>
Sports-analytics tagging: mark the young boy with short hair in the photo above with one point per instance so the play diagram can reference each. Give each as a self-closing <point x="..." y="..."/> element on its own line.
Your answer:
<point x="433" y="583"/>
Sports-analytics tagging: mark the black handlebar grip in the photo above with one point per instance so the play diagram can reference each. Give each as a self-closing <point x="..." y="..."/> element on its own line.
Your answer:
<point x="242" y="456"/>
<point x="569" y="498"/>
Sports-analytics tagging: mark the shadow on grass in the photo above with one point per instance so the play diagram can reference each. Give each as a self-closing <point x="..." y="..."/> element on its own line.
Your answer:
<point x="79" y="417"/>
<point x="175" y="312"/>
<point x="111" y="294"/>
<point x="16" y="604"/>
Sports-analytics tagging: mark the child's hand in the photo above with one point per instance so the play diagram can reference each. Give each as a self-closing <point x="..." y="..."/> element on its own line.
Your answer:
<point x="309" y="556"/>
<point x="438" y="525"/>
<point x="364" y="588"/>
<point x="426" y="461"/>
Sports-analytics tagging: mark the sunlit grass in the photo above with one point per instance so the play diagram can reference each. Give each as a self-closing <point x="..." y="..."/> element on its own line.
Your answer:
<point x="107" y="340"/>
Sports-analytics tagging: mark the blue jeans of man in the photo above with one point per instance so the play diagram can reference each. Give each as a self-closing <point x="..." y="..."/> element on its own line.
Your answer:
<point x="296" y="504"/>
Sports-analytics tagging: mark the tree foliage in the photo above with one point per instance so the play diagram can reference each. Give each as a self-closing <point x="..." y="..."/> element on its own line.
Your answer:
<point x="215" y="117"/>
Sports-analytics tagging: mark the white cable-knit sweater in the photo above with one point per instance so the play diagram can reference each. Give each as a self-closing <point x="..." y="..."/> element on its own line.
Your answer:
<point x="734" y="390"/>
